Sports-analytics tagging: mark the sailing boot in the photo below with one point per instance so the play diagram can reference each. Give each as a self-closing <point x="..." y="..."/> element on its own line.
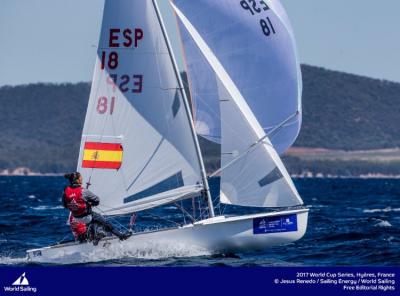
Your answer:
<point x="98" y="238"/>
<point x="99" y="234"/>
<point x="125" y="235"/>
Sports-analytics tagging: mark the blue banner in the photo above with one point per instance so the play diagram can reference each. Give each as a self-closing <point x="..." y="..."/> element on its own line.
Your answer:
<point x="285" y="223"/>
<point x="199" y="281"/>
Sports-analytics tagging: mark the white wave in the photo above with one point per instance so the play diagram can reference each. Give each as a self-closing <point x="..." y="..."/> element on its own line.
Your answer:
<point x="147" y="251"/>
<point x="117" y="251"/>
<point x="12" y="261"/>
<point x="43" y="208"/>
<point x="385" y="210"/>
<point x="153" y="251"/>
<point x="32" y="196"/>
<point x="317" y="206"/>
<point x="383" y="223"/>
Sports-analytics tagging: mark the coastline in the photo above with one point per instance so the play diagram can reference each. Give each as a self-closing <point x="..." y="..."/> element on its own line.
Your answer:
<point x="26" y="172"/>
<point x="310" y="175"/>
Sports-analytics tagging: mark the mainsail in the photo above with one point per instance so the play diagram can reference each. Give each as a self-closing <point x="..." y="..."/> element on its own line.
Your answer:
<point x="250" y="49"/>
<point x="137" y="149"/>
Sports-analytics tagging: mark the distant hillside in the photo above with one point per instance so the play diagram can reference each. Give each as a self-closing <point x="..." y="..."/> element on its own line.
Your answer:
<point x="344" y="111"/>
<point x="41" y="123"/>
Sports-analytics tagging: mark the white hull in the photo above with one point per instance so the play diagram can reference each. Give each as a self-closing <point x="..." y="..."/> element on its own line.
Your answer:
<point x="216" y="235"/>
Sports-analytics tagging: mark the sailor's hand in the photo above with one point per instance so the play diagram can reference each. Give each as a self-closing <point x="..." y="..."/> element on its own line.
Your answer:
<point x="94" y="203"/>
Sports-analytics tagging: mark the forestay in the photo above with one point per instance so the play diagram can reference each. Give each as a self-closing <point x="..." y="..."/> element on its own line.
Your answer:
<point x="253" y="174"/>
<point x="137" y="149"/>
<point x="254" y="42"/>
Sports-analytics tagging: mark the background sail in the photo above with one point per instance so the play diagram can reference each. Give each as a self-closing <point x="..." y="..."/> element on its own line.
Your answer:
<point x="252" y="172"/>
<point x="203" y="89"/>
<point x="254" y="42"/>
<point x="136" y="140"/>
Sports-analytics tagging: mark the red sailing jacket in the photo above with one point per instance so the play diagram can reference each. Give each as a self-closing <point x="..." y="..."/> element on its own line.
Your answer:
<point x="75" y="202"/>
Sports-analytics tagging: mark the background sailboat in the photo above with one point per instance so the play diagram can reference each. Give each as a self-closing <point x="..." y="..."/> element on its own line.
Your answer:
<point x="139" y="149"/>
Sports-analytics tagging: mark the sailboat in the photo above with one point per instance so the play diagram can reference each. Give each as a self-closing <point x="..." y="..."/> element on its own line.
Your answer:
<point x="140" y="142"/>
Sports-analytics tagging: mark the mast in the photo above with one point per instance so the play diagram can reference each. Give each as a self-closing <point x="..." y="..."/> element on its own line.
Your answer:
<point x="188" y="113"/>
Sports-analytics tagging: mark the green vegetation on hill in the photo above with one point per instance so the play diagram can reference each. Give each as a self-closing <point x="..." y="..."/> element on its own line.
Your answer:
<point x="344" y="111"/>
<point x="41" y="124"/>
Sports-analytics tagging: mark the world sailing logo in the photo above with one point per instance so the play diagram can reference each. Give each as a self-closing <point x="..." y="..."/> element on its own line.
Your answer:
<point x="21" y="284"/>
<point x="21" y="281"/>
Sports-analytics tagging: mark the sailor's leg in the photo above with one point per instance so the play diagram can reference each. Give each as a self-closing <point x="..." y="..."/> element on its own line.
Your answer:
<point x="82" y="238"/>
<point x="99" y="219"/>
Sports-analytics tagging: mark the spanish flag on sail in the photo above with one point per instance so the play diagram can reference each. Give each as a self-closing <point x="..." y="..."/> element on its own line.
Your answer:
<point x="102" y="155"/>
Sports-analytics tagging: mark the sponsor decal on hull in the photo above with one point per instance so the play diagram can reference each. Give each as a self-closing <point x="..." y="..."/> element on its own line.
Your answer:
<point x="286" y="223"/>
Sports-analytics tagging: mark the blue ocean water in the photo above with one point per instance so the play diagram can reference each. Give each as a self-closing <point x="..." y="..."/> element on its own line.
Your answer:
<point x="352" y="222"/>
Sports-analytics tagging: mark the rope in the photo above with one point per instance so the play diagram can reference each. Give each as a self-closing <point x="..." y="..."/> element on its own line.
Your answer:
<point x="221" y="212"/>
<point x="183" y="213"/>
<point x="200" y="210"/>
<point x="180" y="207"/>
<point x="115" y="220"/>
<point x="158" y="217"/>
<point x="218" y="204"/>
<point x="63" y="239"/>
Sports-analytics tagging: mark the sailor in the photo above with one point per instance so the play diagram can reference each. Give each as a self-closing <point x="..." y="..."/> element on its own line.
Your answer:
<point x="80" y="202"/>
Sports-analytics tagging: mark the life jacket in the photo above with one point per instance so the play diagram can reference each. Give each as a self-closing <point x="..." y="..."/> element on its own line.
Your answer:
<point x="78" y="228"/>
<point x="75" y="202"/>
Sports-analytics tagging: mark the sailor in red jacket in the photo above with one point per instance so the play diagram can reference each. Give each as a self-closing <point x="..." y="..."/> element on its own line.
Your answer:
<point x="80" y="202"/>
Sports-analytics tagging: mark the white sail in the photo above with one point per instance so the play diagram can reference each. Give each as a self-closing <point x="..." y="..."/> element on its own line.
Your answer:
<point x="202" y="83"/>
<point x="136" y="140"/>
<point x="257" y="178"/>
<point x="255" y="43"/>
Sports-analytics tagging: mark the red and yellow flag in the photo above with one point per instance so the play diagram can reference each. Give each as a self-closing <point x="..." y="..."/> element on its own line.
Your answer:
<point x="102" y="155"/>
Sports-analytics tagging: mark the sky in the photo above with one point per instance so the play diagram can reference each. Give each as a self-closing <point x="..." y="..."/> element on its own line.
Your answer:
<point x="55" y="40"/>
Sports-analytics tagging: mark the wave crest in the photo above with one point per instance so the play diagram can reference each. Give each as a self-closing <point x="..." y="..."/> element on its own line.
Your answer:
<point x="6" y="260"/>
<point x="385" y="210"/>
<point x="383" y="223"/>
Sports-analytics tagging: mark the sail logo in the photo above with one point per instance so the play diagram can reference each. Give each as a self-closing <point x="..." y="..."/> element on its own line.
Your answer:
<point x="21" y="284"/>
<point x="21" y="281"/>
